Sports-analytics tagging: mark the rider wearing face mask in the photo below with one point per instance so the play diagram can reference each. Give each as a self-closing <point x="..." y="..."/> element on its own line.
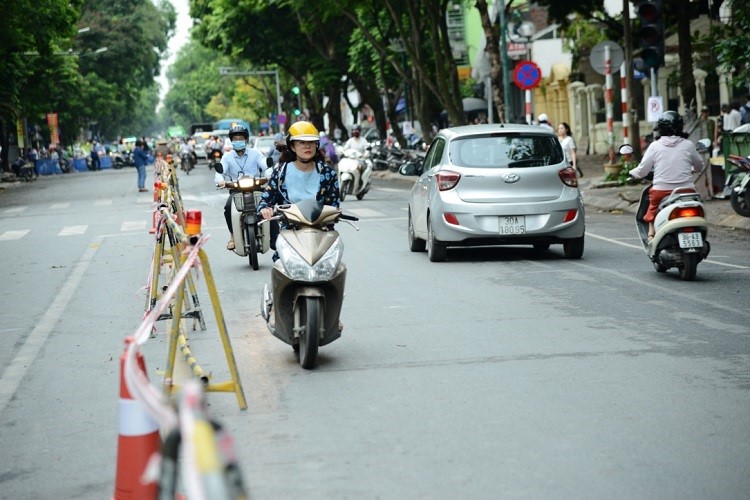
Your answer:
<point x="355" y="141"/>
<point x="240" y="162"/>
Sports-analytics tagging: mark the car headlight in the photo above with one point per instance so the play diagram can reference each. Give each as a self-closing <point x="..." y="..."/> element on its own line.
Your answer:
<point x="298" y="269"/>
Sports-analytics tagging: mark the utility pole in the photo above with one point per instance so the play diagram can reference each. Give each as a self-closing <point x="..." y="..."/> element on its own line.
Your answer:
<point x="635" y="130"/>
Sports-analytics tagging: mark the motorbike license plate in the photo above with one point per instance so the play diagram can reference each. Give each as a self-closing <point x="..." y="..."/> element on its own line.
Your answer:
<point x="512" y="224"/>
<point x="690" y="240"/>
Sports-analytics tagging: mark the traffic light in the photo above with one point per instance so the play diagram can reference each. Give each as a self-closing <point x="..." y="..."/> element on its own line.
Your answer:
<point x="651" y="15"/>
<point x="295" y="90"/>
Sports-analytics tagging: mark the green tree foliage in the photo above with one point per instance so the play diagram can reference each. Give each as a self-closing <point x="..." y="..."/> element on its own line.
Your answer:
<point x="729" y="42"/>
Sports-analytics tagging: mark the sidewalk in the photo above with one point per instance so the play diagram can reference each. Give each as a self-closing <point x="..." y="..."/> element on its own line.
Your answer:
<point x="625" y="198"/>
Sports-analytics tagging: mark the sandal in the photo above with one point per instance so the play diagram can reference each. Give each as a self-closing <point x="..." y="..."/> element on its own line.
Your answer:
<point x="230" y="244"/>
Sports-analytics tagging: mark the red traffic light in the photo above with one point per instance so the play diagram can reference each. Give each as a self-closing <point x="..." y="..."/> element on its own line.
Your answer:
<point x="649" y="11"/>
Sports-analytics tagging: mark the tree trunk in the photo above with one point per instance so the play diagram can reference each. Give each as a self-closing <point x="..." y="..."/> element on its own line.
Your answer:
<point x="687" y="79"/>
<point x="496" y="65"/>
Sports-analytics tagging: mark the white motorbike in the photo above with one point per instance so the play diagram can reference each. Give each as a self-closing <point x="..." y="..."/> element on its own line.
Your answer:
<point x="681" y="230"/>
<point x="250" y="237"/>
<point x="354" y="174"/>
<point x="303" y="305"/>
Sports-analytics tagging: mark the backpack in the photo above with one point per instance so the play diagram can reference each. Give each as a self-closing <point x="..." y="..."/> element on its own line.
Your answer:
<point x="745" y="114"/>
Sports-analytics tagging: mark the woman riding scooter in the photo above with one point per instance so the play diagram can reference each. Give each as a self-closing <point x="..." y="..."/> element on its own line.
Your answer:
<point x="301" y="174"/>
<point x="673" y="160"/>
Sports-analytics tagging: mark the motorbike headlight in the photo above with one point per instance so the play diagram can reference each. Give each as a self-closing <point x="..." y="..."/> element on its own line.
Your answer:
<point x="298" y="269"/>
<point x="245" y="182"/>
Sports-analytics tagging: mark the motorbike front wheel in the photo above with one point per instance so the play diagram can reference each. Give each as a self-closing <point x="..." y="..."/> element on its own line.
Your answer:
<point x="345" y="189"/>
<point x="308" y="342"/>
<point x="689" y="266"/>
<point x="741" y="203"/>
<point x="252" y="248"/>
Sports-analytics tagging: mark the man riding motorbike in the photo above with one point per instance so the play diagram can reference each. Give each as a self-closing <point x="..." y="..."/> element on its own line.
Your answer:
<point x="241" y="160"/>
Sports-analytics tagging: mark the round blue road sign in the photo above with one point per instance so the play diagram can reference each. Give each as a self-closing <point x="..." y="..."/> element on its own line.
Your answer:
<point x="527" y="75"/>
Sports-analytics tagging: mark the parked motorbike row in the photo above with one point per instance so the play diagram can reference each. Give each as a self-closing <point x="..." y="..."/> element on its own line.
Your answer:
<point x="737" y="185"/>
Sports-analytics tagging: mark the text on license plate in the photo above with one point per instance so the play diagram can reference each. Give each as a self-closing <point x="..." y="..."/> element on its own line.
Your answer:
<point x="690" y="240"/>
<point x="512" y="224"/>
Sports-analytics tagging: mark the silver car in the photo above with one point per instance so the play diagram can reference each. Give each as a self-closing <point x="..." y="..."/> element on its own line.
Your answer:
<point x="494" y="185"/>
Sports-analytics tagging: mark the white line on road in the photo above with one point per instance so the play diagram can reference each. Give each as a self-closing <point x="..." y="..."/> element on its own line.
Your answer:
<point x="101" y="203"/>
<point x="16" y="370"/>
<point x="363" y="212"/>
<point x="13" y="235"/>
<point x="72" y="230"/>
<point x="14" y="210"/>
<point x="639" y="247"/>
<point x="59" y="206"/>
<point x="133" y="225"/>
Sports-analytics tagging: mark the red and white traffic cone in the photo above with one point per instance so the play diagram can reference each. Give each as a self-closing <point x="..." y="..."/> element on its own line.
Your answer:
<point x="138" y="440"/>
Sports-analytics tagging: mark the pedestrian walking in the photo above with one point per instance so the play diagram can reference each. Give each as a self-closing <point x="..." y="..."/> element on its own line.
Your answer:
<point x="140" y="158"/>
<point x="568" y="146"/>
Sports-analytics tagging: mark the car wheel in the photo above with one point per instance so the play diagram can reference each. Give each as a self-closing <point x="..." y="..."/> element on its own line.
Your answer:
<point x="415" y="244"/>
<point x="541" y="246"/>
<point x="573" y="248"/>
<point x="436" y="250"/>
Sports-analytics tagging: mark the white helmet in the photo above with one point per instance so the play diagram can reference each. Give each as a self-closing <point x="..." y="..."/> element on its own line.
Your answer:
<point x="543" y="117"/>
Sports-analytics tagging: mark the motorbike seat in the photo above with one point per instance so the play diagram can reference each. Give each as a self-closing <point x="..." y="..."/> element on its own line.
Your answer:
<point x="678" y="195"/>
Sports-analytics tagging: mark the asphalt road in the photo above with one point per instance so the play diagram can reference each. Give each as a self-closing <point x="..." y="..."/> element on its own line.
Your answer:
<point x="503" y="372"/>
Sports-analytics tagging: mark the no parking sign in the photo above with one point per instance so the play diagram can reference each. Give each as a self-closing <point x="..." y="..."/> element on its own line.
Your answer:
<point x="527" y="75"/>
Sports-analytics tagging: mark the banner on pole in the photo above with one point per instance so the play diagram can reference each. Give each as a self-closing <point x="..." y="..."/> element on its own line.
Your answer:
<point x="54" y="137"/>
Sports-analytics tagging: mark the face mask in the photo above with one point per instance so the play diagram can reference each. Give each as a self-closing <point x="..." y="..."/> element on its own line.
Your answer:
<point x="239" y="145"/>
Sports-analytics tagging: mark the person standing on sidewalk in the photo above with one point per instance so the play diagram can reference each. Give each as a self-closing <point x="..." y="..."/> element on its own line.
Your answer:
<point x="568" y="146"/>
<point x="140" y="158"/>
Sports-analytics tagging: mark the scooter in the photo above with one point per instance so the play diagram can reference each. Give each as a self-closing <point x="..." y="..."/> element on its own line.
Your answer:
<point x="681" y="230"/>
<point x="738" y="181"/>
<point x="354" y="174"/>
<point x="250" y="237"/>
<point x="303" y="304"/>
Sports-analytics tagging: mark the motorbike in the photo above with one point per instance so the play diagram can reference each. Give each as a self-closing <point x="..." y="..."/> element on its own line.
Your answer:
<point x="681" y="230"/>
<point x="354" y="174"/>
<point x="303" y="304"/>
<point x="737" y="182"/>
<point x="122" y="159"/>
<point x="186" y="162"/>
<point x="250" y="238"/>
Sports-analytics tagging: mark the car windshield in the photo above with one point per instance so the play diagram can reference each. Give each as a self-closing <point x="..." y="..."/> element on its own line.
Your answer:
<point x="506" y="151"/>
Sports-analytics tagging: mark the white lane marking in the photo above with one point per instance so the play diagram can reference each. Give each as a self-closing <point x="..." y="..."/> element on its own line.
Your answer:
<point x="639" y="247"/>
<point x="14" y="210"/>
<point x="101" y="203"/>
<point x="363" y="212"/>
<point x="133" y="225"/>
<point x="72" y="230"/>
<point x="13" y="235"/>
<point x="24" y="360"/>
<point x="59" y="206"/>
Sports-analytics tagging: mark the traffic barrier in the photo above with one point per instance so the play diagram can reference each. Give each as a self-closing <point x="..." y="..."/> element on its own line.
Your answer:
<point x="138" y="439"/>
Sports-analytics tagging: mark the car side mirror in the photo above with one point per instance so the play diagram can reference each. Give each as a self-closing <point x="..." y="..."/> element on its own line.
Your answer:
<point x="626" y="149"/>
<point x="218" y="167"/>
<point x="408" y="169"/>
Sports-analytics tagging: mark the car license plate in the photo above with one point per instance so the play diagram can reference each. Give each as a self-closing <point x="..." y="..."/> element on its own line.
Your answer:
<point x="690" y="240"/>
<point x="514" y="224"/>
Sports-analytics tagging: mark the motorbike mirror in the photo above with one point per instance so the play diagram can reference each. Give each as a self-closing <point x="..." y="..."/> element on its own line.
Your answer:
<point x="704" y="145"/>
<point x="218" y="167"/>
<point x="269" y="162"/>
<point x="626" y="149"/>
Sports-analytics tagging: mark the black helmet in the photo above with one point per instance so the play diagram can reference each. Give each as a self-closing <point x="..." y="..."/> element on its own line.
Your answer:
<point x="670" y="123"/>
<point x="239" y="130"/>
